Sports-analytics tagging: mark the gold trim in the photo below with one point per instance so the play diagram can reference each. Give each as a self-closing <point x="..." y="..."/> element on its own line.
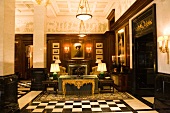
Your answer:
<point x="78" y="83"/>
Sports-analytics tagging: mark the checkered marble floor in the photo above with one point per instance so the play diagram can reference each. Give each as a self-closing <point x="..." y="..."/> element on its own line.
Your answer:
<point x="23" y="88"/>
<point x="83" y="106"/>
<point x="27" y="104"/>
<point x="24" y="84"/>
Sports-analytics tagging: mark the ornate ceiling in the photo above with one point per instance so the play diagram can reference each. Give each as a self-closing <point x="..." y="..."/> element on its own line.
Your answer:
<point x="66" y="7"/>
<point x="61" y="15"/>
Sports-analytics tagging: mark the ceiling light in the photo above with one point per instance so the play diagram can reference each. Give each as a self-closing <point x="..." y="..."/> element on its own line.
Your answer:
<point x="41" y="2"/>
<point x="82" y="30"/>
<point x="83" y="12"/>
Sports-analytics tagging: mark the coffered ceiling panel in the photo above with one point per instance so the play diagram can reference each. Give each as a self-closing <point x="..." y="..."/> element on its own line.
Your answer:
<point x="65" y="7"/>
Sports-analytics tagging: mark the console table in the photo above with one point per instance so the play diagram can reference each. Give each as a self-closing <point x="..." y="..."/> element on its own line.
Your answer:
<point x="78" y="83"/>
<point x="72" y="89"/>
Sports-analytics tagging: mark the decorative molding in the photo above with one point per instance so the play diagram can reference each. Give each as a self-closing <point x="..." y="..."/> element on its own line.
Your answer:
<point x="62" y="25"/>
<point x="134" y="9"/>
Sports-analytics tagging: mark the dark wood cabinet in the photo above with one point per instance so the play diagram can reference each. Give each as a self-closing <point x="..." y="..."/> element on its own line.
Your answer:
<point x="8" y="94"/>
<point x="106" y="82"/>
<point x="120" y="81"/>
<point x="37" y="76"/>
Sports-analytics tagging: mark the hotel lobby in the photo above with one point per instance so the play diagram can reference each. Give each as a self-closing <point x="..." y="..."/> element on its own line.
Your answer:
<point x="114" y="59"/>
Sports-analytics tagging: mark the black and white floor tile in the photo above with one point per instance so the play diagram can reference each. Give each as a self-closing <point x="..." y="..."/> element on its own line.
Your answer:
<point x="27" y="104"/>
<point x="24" y="84"/>
<point x="83" y="106"/>
<point x="23" y="88"/>
<point x="22" y="93"/>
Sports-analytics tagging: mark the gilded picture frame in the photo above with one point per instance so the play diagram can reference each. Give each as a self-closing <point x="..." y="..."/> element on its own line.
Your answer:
<point x="99" y="57"/>
<point x="99" y="51"/>
<point x="56" y="45"/>
<point x="77" y="51"/>
<point x="56" y="51"/>
<point x="99" y="45"/>
<point x="56" y="57"/>
<point x="120" y="47"/>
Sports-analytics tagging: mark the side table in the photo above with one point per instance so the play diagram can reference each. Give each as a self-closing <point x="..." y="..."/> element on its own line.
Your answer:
<point x="50" y="83"/>
<point x="106" y="82"/>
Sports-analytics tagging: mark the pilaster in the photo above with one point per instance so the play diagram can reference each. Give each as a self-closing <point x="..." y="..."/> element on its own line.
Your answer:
<point x="7" y="36"/>
<point x="39" y="37"/>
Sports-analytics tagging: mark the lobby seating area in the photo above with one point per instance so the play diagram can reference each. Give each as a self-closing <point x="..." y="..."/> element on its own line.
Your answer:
<point x="94" y="71"/>
<point x="28" y="104"/>
<point x="62" y="71"/>
<point x="120" y="64"/>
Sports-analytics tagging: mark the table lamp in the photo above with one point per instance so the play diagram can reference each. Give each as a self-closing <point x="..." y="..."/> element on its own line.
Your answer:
<point x="55" y="68"/>
<point x="98" y="61"/>
<point x="101" y="68"/>
<point x="57" y="61"/>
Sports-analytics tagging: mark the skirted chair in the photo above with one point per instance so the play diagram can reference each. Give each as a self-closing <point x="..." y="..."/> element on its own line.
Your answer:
<point x="62" y="71"/>
<point x="94" y="71"/>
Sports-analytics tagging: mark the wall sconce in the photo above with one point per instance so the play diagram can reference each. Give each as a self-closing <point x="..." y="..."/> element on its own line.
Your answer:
<point x="88" y="49"/>
<point x="163" y="45"/>
<point x="66" y="49"/>
<point x="113" y="58"/>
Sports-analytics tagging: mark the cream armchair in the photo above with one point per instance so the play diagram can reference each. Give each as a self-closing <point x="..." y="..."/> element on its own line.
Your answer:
<point x="62" y="71"/>
<point x="94" y="71"/>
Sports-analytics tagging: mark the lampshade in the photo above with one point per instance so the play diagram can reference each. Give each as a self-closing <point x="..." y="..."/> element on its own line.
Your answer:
<point x="55" y="68"/>
<point x="98" y="61"/>
<point x="83" y="12"/>
<point x="101" y="67"/>
<point x="57" y="61"/>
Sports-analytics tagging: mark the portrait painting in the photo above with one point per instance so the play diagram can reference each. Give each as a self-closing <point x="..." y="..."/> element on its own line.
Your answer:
<point x="56" y="45"/>
<point x="77" y="51"/>
<point x="56" y="51"/>
<point x="121" y="47"/>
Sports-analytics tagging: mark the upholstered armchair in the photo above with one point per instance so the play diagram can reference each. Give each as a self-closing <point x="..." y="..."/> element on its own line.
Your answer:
<point x="62" y="71"/>
<point x="94" y="71"/>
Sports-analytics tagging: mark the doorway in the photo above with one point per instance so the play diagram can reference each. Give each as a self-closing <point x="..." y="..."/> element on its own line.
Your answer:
<point x="144" y="60"/>
<point x="23" y="56"/>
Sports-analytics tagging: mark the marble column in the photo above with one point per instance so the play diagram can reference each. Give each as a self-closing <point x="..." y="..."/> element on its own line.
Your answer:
<point x="7" y="36"/>
<point x="39" y="37"/>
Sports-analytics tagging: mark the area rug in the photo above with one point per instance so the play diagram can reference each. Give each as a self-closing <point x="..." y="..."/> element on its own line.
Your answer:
<point x="104" y="96"/>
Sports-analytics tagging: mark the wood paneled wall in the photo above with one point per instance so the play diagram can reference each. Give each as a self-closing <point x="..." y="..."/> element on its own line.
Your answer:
<point x="21" y="63"/>
<point x="66" y="40"/>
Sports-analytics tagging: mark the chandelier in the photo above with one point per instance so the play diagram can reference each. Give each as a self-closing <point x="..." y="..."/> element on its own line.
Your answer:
<point x="82" y="30"/>
<point x="83" y="12"/>
<point x="39" y="2"/>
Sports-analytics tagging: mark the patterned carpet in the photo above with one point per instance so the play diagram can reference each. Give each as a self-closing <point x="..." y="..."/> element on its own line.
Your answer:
<point x="46" y="96"/>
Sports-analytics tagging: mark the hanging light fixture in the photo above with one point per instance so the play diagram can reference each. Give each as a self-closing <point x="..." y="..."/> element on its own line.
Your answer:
<point x="83" y="12"/>
<point x="82" y="30"/>
<point x="39" y="2"/>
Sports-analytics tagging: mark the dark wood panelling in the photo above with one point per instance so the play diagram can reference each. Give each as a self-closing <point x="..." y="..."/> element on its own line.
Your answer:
<point x="111" y="18"/>
<point x="133" y="10"/>
<point x="123" y="22"/>
<point x="67" y="40"/>
<point x="144" y="52"/>
<point x="127" y="40"/>
<point x="21" y="63"/>
<point x="109" y="49"/>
